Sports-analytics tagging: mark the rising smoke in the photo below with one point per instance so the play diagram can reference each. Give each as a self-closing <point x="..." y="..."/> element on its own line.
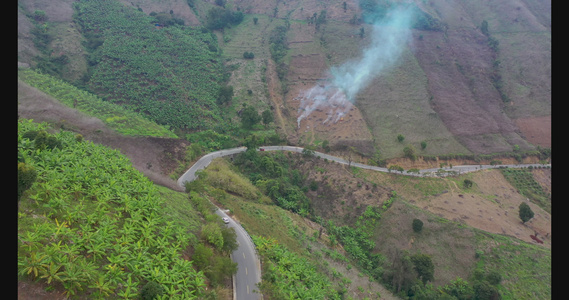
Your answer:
<point x="388" y="39"/>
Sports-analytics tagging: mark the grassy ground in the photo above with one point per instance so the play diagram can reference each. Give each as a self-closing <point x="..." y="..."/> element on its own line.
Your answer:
<point x="525" y="268"/>
<point x="298" y="235"/>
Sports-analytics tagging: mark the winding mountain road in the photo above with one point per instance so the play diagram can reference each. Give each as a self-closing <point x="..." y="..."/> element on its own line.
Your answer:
<point x="249" y="266"/>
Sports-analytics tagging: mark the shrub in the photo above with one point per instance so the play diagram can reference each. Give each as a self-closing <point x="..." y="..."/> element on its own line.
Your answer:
<point x="313" y="185"/>
<point x="424" y="266"/>
<point x="468" y="183"/>
<point x="493" y="277"/>
<point x="151" y="290"/>
<point x="26" y="177"/>
<point x="248" y="55"/>
<point x="400" y="137"/>
<point x="483" y="290"/>
<point x="417" y="225"/>
<point x="525" y="212"/>
<point x="409" y="152"/>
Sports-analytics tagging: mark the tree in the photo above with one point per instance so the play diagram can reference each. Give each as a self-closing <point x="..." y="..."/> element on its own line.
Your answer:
<point x="400" y="137"/>
<point x="417" y="225"/>
<point x="229" y="239"/>
<point x="423" y="145"/>
<point x="459" y="288"/>
<point x="248" y="55"/>
<point x="362" y="32"/>
<point x="212" y="234"/>
<point x="267" y="116"/>
<point x="40" y="16"/>
<point x="409" y="152"/>
<point x="396" y="168"/>
<point x="484" y="291"/>
<point x="494" y="277"/>
<point x="225" y="94"/>
<point x="484" y="28"/>
<point x="223" y="268"/>
<point x="525" y="212"/>
<point x="249" y="117"/>
<point x="401" y="275"/>
<point x="321" y="19"/>
<point x="308" y="152"/>
<point x="202" y="256"/>
<point x="326" y="146"/>
<point x="467" y="183"/>
<point x="255" y="20"/>
<point x="424" y="267"/>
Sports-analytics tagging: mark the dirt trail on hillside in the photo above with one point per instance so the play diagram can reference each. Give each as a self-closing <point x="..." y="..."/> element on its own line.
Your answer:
<point x="274" y="88"/>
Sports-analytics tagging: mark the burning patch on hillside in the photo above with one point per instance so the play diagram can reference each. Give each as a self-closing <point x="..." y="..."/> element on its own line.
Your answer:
<point x="326" y="98"/>
<point x="389" y="36"/>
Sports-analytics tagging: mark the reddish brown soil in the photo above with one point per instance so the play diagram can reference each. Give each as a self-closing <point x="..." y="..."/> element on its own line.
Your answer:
<point x="537" y="130"/>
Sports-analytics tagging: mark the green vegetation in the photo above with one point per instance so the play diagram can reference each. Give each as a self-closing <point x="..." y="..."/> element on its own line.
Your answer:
<point x="26" y="177"/>
<point x="93" y="225"/>
<point x="417" y="225"/>
<point x="409" y="152"/>
<point x="116" y="117"/>
<point x="279" y="47"/>
<point x="524" y="182"/>
<point x="248" y="55"/>
<point x="285" y="274"/>
<point x="273" y="176"/>
<point x="249" y="117"/>
<point x="400" y="138"/>
<point x="170" y="74"/>
<point x="507" y="256"/>
<point x="525" y="212"/>
<point x="219" y="18"/>
<point x="357" y="240"/>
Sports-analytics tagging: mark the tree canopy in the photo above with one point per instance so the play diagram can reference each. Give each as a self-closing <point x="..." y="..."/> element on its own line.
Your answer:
<point x="525" y="212"/>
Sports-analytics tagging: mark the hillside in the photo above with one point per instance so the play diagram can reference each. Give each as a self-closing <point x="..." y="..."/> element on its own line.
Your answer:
<point x="462" y="82"/>
<point x="417" y="84"/>
<point x="90" y="225"/>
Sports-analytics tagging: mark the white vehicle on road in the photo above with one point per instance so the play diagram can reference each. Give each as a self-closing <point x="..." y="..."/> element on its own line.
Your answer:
<point x="225" y="220"/>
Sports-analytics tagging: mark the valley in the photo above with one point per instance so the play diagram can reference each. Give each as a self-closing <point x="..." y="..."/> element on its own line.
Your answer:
<point x="165" y="83"/>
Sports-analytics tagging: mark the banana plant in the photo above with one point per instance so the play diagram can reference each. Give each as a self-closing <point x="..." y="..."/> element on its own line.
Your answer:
<point x="129" y="290"/>
<point x="31" y="239"/>
<point x="103" y="287"/>
<point x="33" y="264"/>
<point x="51" y="272"/>
<point x="73" y="278"/>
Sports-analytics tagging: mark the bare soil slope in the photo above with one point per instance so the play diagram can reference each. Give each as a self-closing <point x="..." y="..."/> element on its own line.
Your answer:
<point x="154" y="157"/>
<point x="343" y="194"/>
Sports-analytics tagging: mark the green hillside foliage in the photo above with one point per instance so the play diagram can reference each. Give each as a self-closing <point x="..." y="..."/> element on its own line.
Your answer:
<point x="274" y="177"/>
<point x="172" y="74"/>
<point x="287" y="275"/>
<point x="523" y="180"/>
<point x="114" y="116"/>
<point x="92" y="225"/>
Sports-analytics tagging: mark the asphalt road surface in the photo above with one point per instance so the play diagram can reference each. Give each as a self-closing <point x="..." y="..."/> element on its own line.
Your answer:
<point x="249" y="266"/>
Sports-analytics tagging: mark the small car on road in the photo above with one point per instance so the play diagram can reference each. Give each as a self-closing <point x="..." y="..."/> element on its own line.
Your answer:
<point x="225" y="220"/>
